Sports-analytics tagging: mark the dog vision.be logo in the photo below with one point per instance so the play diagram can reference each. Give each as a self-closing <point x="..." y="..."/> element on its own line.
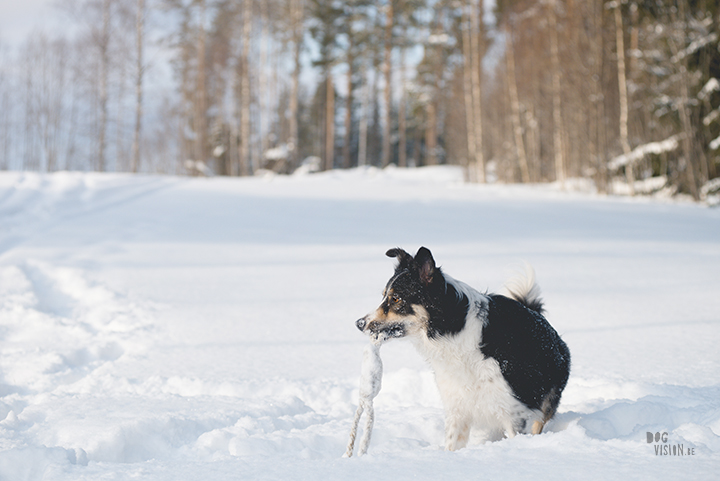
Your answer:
<point x="664" y="448"/>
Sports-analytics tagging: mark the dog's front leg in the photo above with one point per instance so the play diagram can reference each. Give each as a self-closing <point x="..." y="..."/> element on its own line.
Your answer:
<point x="457" y="431"/>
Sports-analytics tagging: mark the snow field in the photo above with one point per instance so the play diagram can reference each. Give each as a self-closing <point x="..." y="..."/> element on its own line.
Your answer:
<point x="165" y="328"/>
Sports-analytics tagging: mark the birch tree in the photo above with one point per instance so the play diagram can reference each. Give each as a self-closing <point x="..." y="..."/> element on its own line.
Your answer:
<point x="387" y="73"/>
<point x="103" y="45"/>
<point x="515" y="105"/>
<point x="6" y="111"/>
<point x="139" y="73"/>
<point x="245" y="160"/>
<point x="297" y="15"/>
<point x="623" y="94"/>
<point x="558" y="130"/>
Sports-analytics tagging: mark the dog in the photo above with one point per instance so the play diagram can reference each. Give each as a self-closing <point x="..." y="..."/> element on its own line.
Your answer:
<point x="498" y="363"/>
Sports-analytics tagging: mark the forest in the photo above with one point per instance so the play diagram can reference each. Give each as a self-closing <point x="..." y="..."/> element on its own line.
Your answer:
<point x="621" y="95"/>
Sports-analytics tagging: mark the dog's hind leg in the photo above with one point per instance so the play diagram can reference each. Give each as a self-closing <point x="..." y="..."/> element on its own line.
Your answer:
<point x="548" y="408"/>
<point x="537" y="427"/>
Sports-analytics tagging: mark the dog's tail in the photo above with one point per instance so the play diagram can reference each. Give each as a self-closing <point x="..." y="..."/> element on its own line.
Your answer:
<point x="523" y="288"/>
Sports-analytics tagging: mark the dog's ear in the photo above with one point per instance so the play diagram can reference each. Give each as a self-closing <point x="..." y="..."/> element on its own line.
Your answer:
<point x="426" y="265"/>
<point x="404" y="259"/>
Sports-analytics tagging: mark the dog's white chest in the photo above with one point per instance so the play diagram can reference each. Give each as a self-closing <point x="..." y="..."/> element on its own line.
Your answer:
<point x="471" y="386"/>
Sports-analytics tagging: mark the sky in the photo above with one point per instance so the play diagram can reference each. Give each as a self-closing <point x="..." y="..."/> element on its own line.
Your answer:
<point x="19" y="18"/>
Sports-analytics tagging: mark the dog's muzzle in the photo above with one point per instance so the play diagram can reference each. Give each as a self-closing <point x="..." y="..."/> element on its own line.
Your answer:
<point x="360" y="323"/>
<point x="386" y="332"/>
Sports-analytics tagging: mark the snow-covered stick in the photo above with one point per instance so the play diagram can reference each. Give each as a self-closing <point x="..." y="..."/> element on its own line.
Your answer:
<point x="370" y="384"/>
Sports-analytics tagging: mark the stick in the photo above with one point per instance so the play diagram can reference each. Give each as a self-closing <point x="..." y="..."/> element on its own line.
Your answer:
<point x="370" y="384"/>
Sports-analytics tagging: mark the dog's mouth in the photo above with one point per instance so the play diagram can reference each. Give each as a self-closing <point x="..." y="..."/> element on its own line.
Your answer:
<point x="381" y="331"/>
<point x="392" y="331"/>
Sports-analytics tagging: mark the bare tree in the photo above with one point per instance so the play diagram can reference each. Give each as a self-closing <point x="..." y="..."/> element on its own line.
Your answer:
<point x="104" y="50"/>
<point x="515" y="105"/>
<point x="387" y="72"/>
<point x="468" y="88"/>
<point x="245" y="161"/>
<point x="200" y="94"/>
<point x="475" y="69"/>
<point x="296" y="12"/>
<point x="683" y="104"/>
<point x="139" y="73"/>
<point x="402" y="114"/>
<point x="364" y="114"/>
<point x="623" y="96"/>
<point x="329" y="121"/>
<point x="6" y="112"/>
<point x="350" y="59"/>
<point x="597" y="119"/>
<point x="558" y="130"/>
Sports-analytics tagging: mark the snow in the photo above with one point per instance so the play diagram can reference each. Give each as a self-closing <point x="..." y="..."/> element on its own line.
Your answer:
<point x="710" y="86"/>
<point x="711" y="117"/>
<point x="170" y="328"/>
<point x="694" y="46"/>
<point x="715" y="143"/>
<point x="667" y="145"/>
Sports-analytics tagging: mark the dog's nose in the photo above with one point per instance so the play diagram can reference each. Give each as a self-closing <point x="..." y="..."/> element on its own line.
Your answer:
<point x="360" y="323"/>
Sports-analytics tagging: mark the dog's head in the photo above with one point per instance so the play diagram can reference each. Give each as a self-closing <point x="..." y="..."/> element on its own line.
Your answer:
<point x="407" y="297"/>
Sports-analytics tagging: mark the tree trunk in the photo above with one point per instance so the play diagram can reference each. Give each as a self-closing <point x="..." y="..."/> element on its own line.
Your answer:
<point x="468" y="93"/>
<point x="557" y="103"/>
<point x="329" y="122"/>
<point x="475" y="69"/>
<point x="687" y="142"/>
<point x="387" y="70"/>
<point x="364" y="113"/>
<point x="263" y="84"/>
<point x="515" y="107"/>
<point x="597" y="123"/>
<point x="120" y="153"/>
<point x="431" y="134"/>
<point x="245" y="91"/>
<point x="402" y="116"/>
<point x="533" y="142"/>
<point x="293" y="141"/>
<point x="348" y="105"/>
<point x="200" y="97"/>
<point x="104" y="67"/>
<point x="139" y="24"/>
<point x="5" y="134"/>
<point x="622" y="87"/>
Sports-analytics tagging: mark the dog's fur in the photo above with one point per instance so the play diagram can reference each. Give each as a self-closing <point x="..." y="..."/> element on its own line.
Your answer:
<point x="498" y="363"/>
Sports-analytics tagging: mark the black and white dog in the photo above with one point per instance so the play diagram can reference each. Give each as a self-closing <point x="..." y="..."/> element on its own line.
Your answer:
<point x="498" y="363"/>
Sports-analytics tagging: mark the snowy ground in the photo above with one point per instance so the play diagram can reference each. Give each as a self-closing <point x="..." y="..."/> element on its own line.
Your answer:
<point x="203" y="329"/>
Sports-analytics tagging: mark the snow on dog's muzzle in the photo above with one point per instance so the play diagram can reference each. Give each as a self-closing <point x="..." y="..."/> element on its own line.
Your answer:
<point x="390" y="331"/>
<point x="380" y="330"/>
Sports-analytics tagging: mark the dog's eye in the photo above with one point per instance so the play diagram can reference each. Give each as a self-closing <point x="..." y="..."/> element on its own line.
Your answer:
<point x="395" y="299"/>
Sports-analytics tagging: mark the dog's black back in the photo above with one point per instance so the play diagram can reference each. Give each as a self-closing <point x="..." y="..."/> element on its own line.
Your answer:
<point x="533" y="359"/>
